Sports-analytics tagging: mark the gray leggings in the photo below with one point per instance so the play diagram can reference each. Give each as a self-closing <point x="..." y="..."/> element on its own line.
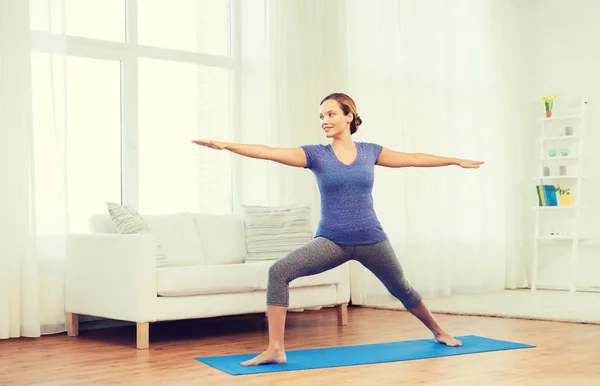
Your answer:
<point x="321" y="254"/>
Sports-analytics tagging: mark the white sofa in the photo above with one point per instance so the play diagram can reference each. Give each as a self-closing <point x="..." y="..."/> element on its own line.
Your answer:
<point x="115" y="276"/>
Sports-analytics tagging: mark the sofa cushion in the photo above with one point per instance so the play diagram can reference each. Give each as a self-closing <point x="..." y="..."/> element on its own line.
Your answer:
<point x="333" y="276"/>
<point x="223" y="237"/>
<point x="178" y="236"/>
<point x="272" y="232"/>
<point x="207" y="279"/>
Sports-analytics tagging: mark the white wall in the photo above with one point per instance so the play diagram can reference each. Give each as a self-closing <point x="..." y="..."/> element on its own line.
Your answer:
<point x="561" y="55"/>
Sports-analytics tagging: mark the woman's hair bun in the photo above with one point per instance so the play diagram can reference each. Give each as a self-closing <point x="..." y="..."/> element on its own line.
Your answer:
<point x="358" y="120"/>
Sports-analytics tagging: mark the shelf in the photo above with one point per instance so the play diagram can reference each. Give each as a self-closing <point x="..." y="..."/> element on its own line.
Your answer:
<point x="558" y="178"/>
<point x="562" y="117"/>
<point x="559" y="238"/>
<point x="561" y="158"/>
<point x="560" y="138"/>
<point x="558" y="207"/>
<point x="551" y="138"/>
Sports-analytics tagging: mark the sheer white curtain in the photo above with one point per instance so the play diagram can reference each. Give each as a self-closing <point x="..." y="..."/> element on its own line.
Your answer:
<point x="510" y="61"/>
<point x="32" y="150"/>
<point x="434" y="77"/>
<point x="49" y="64"/>
<point x="19" y="311"/>
<point x="292" y="55"/>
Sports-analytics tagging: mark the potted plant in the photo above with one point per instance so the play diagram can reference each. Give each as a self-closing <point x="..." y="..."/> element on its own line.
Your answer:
<point x="564" y="196"/>
<point x="549" y="103"/>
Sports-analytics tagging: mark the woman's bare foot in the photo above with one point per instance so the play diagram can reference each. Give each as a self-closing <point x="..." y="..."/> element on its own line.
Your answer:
<point x="269" y="356"/>
<point x="446" y="339"/>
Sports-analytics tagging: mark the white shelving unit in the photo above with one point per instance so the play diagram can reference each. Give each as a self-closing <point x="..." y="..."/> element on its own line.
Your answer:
<point x="553" y="136"/>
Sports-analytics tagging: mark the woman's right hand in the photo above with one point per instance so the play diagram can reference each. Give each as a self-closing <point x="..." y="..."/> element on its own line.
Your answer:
<point x="210" y="143"/>
<point x="286" y="156"/>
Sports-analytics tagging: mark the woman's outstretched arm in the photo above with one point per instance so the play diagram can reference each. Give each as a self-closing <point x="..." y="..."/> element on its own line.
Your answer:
<point x="287" y="156"/>
<point x="395" y="159"/>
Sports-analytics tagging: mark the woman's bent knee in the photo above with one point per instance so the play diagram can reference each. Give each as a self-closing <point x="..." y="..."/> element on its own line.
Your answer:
<point x="279" y="272"/>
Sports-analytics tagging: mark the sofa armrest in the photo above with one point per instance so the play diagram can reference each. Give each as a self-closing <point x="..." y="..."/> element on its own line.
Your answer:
<point x="111" y="276"/>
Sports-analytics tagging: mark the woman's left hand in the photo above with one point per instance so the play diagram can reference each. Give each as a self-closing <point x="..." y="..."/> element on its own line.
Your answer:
<point x="466" y="164"/>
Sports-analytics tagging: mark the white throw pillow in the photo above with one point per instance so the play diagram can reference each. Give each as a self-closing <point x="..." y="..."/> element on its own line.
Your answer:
<point x="274" y="231"/>
<point x="128" y="221"/>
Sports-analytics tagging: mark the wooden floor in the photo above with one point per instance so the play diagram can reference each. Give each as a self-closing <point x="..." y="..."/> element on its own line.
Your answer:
<point x="566" y="353"/>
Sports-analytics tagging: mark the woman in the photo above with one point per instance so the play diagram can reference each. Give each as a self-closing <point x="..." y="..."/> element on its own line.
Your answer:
<point x="349" y="228"/>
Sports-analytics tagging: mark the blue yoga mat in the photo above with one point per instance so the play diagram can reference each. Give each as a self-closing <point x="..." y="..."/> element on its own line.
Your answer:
<point x="361" y="355"/>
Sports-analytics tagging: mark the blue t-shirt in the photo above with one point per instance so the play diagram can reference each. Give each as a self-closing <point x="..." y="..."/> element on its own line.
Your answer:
<point x="347" y="213"/>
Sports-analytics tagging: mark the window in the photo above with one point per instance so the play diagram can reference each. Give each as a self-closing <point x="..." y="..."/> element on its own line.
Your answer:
<point x="178" y="102"/>
<point x="93" y="137"/>
<point x="104" y="20"/>
<point x="143" y="79"/>
<point x="192" y="25"/>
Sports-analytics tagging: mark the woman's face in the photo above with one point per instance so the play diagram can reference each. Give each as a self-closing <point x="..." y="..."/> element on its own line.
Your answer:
<point x="333" y="120"/>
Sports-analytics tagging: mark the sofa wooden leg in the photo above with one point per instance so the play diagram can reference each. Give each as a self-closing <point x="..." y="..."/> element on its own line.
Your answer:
<point x="143" y="335"/>
<point x="342" y="314"/>
<point x="72" y="324"/>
